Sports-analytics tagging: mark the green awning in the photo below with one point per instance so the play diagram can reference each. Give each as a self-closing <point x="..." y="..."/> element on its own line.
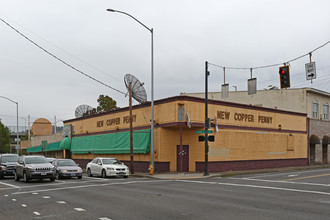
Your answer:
<point x="53" y="146"/>
<point x="33" y="149"/>
<point x="50" y="147"/>
<point x="65" y="144"/>
<point x="116" y="143"/>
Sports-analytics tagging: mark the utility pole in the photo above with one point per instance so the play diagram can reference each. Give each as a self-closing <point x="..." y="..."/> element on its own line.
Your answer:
<point x="207" y="121"/>
<point x="131" y="128"/>
<point x="29" y="128"/>
<point x="55" y="124"/>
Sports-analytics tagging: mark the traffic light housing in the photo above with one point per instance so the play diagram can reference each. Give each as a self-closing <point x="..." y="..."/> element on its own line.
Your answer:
<point x="284" y="72"/>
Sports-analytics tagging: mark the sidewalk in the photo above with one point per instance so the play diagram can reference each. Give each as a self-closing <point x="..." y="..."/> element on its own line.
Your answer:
<point x="195" y="175"/>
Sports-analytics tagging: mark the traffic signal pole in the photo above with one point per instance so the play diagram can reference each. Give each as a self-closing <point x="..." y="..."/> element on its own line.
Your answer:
<point x="206" y="171"/>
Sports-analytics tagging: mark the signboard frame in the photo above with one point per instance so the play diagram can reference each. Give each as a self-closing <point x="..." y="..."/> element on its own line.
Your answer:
<point x="310" y="69"/>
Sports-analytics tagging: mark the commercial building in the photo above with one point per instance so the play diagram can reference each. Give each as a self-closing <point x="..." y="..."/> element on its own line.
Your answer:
<point x="313" y="102"/>
<point x="246" y="137"/>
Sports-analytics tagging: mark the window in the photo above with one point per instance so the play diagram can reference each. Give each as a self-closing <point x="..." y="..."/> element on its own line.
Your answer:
<point x="326" y="112"/>
<point x="315" y="109"/>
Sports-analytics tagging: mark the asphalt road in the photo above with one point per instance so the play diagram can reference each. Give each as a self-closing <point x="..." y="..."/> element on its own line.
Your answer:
<point x="286" y="195"/>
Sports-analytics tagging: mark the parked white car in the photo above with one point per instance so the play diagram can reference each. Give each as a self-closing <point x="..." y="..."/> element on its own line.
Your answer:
<point x="105" y="166"/>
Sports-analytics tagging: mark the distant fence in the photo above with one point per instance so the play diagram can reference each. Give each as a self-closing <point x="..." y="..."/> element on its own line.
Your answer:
<point x="23" y="129"/>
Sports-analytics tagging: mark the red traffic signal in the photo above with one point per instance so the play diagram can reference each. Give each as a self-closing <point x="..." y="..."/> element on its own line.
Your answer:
<point x="284" y="72"/>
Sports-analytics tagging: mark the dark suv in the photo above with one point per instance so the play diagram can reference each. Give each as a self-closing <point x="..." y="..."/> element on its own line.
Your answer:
<point x="34" y="167"/>
<point x="7" y="164"/>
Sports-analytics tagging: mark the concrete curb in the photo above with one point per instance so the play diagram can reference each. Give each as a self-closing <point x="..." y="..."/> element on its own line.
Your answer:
<point x="177" y="176"/>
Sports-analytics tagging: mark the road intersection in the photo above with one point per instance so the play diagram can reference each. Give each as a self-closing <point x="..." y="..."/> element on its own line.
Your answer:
<point x="280" y="195"/>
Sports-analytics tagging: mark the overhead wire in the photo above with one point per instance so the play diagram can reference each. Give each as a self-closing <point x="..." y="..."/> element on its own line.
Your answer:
<point x="271" y="65"/>
<point x="59" y="59"/>
<point x="65" y="51"/>
<point x="319" y="83"/>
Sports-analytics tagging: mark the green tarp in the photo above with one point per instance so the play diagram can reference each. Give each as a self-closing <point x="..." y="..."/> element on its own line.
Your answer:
<point x="34" y="149"/>
<point x="50" y="147"/>
<point x="65" y="144"/>
<point x="53" y="146"/>
<point x="116" y="143"/>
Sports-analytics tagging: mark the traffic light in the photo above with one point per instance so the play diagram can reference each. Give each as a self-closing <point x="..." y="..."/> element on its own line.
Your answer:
<point x="284" y="77"/>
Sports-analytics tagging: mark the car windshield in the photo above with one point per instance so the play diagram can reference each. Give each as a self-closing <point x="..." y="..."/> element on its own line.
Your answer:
<point x="6" y="159"/>
<point x="111" y="161"/>
<point x="66" y="163"/>
<point x="30" y="160"/>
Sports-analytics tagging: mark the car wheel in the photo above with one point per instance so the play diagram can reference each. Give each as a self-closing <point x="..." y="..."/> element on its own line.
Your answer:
<point x="25" y="177"/>
<point x="1" y="176"/>
<point x="125" y="176"/>
<point x="58" y="176"/>
<point x="16" y="177"/>
<point x="79" y="177"/>
<point x="104" y="174"/>
<point x="52" y="179"/>
<point x="89" y="173"/>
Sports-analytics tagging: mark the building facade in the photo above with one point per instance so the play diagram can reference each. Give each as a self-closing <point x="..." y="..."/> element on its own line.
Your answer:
<point x="313" y="102"/>
<point x="246" y="137"/>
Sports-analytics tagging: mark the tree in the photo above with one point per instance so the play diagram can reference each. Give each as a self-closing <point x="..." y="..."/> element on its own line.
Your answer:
<point x="26" y="136"/>
<point x="4" y="139"/>
<point x="105" y="104"/>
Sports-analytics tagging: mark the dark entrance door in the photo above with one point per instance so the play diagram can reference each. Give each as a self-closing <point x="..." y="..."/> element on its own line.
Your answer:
<point x="312" y="154"/>
<point x="182" y="158"/>
<point x="67" y="154"/>
<point x="325" y="153"/>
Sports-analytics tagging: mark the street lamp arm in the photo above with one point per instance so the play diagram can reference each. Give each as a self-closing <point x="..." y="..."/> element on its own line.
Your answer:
<point x="9" y="99"/>
<point x="112" y="10"/>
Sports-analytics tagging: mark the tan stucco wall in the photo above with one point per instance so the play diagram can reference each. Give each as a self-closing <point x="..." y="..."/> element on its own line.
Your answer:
<point x="296" y="100"/>
<point x="320" y="99"/>
<point x="249" y="133"/>
<point x="37" y="140"/>
<point x="289" y="100"/>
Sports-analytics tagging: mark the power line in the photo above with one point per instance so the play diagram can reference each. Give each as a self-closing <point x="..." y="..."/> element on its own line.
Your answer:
<point x="271" y="65"/>
<point x="59" y="59"/>
<point x="65" y="51"/>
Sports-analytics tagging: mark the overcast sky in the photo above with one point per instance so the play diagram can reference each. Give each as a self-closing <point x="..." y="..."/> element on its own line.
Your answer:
<point x="106" y="46"/>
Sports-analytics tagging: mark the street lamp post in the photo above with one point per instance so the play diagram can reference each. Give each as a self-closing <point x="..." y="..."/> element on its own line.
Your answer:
<point x="152" y="85"/>
<point x="17" y="137"/>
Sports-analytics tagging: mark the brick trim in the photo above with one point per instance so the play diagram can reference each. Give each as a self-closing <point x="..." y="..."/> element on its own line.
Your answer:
<point x="218" y="166"/>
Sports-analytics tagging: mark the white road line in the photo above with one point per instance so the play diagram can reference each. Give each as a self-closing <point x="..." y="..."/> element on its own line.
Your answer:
<point x="23" y="205"/>
<point x="292" y="175"/>
<point x="79" y="209"/>
<point x="7" y="188"/>
<point x="60" y="202"/>
<point x="6" y="195"/>
<point x="36" y="213"/>
<point x="281" y="181"/>
<point x="256" y="186"/>
<point x="46" y="197"/>
<point x="14" y="200"/>
<point x="288" y="173"/>
<point x="7" y="184"/>
<point x="100" y="179"/>
<point x="32" y="186"/>
<point x="92" y="185"/>
<point x="94" y="178"/>
<point x="35" y="193"/>
<point x="104" y="218"/>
